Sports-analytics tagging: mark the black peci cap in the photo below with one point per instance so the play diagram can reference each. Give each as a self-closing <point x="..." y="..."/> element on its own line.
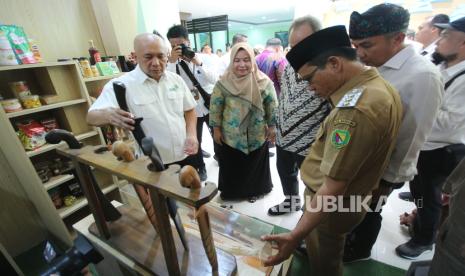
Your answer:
<point x="378" y="20"/>
<point x="316" y="44"/>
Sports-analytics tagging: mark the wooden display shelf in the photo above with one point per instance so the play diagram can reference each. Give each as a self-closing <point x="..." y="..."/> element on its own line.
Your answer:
<point x="81" y="202"/>
<point x="44" y="108"/>
<point x="36" y="65"/>
<point x="103" y="77"/>
<point x="57" y="181"/>
<point x="49" y="147"/>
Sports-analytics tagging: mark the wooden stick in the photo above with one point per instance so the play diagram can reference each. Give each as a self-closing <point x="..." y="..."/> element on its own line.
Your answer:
<point x="146" y="201"/>
<point x="189" y="178"/>
<point x="207" y="237"/>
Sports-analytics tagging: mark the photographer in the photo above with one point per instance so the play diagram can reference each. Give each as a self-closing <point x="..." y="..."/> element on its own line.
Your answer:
<point x="200" y="77"/>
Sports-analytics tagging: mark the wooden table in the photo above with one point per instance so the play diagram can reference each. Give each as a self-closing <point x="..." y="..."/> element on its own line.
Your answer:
<point x="162" y="185"/>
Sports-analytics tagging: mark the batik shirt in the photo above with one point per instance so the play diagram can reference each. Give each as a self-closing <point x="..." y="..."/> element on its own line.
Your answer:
<point x="300" y="114"/>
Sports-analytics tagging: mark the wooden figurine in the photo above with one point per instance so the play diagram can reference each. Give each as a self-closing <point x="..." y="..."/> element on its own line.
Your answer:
<point x="189" y="178"/>
<point x="123" y="151"/>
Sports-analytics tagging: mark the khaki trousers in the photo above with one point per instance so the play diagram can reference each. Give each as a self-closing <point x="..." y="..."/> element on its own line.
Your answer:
<point x="325" y="244"/>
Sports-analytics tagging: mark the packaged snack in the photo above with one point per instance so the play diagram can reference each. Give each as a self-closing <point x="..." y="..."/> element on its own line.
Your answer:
<point x="104" y="68"/>
<point x="49" y="124"/>
<point x="85" y="67"/>
<point x="19" y="89"/>
<point x="7" y="55"/>
<point x="69" y="200"/>
<point x="19" y="43"/>
<point x="55" y="195"/>
<point x="95" y="72"/>
<point x="31" y="134"/>
<point x="11" y="105"/>
<point x="35" y="50"/>
<point x="114" y="67"/>
<point x="75" y="189"/>
<point x="31" y="101"/>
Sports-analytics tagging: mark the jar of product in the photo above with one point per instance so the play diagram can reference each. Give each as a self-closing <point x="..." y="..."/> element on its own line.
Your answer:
<point x="56" y="198"/>
<point x="11" y="105"/>
<point x="86" y="70"/>
<point x="69" y="200"/>
<point x="20" y="89"/>
<point x="31" y="101"/>
<point x="35" y="49"/>
<point x="95" y="72"/>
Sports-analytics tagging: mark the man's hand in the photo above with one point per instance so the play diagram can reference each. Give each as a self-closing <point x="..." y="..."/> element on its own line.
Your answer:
<point x="119" y="118"/>
<point x="271" y="134"/>
<point x="285" y="243"/>
<point x="196" y="61"/>
<point x="217" y="135"/>
<point x="176" y="53"/>
<point x="191" y="145"/>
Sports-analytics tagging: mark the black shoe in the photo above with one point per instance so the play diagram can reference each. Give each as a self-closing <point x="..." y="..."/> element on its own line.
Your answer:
<point x="202" y="174"/>
<point x="351" y="256"/>
<point x="271" y="154"/>
<point x="285" y="207"/>
<point x="407" y="196"/>
<point x="206" y="154"/>
<point x="411" y="250"/>
<point x="252" y="199"/>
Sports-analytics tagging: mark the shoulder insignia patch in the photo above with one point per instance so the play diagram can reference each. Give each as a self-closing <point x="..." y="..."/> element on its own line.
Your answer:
<point x="344" y="122"/>
<point x="340" y="138"/>
<point x="350" y="99"/>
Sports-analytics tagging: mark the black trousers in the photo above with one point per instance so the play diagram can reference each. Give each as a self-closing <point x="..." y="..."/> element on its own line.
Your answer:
<point x="198" y="162"/>
<point x="363" y="237"/>
<point x="434" y="166"/>
<point x="288" y="165"/>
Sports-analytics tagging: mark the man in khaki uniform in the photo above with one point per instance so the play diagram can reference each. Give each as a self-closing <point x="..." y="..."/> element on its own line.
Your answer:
<point x="350" y="151"/>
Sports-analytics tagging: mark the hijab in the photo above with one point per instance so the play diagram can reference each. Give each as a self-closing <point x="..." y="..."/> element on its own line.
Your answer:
<point x="248" y="87"/>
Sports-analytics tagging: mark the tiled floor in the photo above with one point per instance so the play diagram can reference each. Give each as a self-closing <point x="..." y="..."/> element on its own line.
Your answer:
<point x="392" y="234"/>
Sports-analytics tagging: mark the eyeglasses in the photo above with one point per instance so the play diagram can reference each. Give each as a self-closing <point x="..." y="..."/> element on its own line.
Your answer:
<point x="309" y="78"/>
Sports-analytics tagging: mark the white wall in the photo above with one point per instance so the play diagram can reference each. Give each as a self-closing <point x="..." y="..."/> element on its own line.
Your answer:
<point x="160" y="15"/>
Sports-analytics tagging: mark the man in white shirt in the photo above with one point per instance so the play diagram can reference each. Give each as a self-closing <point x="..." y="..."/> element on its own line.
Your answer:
<point x="445" y="146"/>
<point x="226" y="58"/>
<point x="161" y="98"/>
<point x="205" y="71"/>
<point x="428" y="33"/>
<point x="380" y="43"/>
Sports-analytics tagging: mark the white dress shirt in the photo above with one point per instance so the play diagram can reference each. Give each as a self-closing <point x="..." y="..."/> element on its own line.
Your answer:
<point x="449" y="126"/>
<point x="428" y="51"/>
<point x="162" y="105"/>
<point x="224" y="63"/>
<point x="206" y="75"/>
<point x="421" y="89"/>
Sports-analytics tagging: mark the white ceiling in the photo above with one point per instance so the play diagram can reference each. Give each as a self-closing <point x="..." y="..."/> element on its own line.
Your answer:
<point x="254" y="11"/>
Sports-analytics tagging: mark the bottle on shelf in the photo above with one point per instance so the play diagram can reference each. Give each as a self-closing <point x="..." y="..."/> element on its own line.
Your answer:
<point x="94" y="53"/>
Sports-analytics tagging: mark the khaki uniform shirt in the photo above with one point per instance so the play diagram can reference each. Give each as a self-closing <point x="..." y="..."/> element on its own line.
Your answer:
<point x="355" y="141"/>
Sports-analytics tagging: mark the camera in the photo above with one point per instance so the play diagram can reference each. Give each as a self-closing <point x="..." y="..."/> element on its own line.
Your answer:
<point x="187" y="51"/>
<point x="73" y="261"/>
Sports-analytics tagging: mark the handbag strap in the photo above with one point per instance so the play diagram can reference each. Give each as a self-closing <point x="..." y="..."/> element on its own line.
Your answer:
<point x="449" y="82"/>
<point x="194" y="81"/>
<point x="189" y="74"/>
